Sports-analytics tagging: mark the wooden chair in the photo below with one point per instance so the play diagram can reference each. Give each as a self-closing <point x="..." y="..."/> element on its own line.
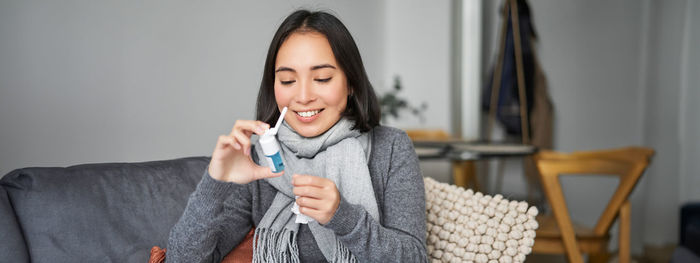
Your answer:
<point x="428" y="135"/>
<point x="463" y="172"/>
<point x="557" y="234"/>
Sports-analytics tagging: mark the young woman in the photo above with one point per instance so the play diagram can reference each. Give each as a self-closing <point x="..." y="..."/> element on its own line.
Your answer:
<point x="358" y="183"/>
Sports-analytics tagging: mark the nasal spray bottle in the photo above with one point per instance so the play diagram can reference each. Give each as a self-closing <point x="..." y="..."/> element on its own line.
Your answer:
<point x="271" y="149"/>
<point x="270" y="146"/>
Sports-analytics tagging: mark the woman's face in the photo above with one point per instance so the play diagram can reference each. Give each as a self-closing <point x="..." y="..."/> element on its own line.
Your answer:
<point x="310" y="83"/>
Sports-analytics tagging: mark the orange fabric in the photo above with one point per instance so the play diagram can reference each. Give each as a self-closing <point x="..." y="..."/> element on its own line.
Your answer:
<point x="241" y="253"/>
<point x="157" y="255"/>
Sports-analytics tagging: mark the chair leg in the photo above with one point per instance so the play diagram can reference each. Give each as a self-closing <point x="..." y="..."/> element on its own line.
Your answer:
<point x="531" y="177"/>
<point x="599" y="258"/>
<point x="470" y="166"/>
<point x="500" y="169"/>
<point x="624" y="238"/>
<point x="458" y="175"/>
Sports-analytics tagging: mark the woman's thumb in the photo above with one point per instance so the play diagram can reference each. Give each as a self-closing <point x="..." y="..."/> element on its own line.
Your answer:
<point x="266" y="172"/>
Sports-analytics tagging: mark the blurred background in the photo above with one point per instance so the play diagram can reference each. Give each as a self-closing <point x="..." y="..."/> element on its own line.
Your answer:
<point x="129" y="81"/>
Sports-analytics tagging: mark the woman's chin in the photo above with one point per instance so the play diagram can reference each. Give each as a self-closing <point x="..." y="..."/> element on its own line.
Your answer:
<point x="314" y="128"/>
<point x="309" y="132"/>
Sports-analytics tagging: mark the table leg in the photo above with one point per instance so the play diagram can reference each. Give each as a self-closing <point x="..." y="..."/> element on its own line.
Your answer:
<point x="464" y="174"/>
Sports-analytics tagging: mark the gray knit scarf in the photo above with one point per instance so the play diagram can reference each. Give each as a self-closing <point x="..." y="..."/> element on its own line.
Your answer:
<point x="340" y="154"/>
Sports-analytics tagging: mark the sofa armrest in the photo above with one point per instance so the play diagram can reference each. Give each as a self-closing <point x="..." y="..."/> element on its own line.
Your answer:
<point x="104" y="212"/>
<point x="12" y="245"/>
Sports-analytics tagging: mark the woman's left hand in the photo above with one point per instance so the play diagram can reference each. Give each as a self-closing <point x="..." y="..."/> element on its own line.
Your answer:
<point x="318" y="197"/>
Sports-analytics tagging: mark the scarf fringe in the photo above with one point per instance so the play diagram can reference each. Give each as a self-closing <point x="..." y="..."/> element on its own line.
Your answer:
<point x="342" y="253"/>
<point x="271" y="246"/>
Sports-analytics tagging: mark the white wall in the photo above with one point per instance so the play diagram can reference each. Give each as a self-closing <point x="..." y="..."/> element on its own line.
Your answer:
<point x="125" y="81"/>
<point x="671" y="123"/>
<point x="690" y="106"/>
<point x="85" y="81"/>
<point x="661" y="127"/>
<point x="417" y="48"/>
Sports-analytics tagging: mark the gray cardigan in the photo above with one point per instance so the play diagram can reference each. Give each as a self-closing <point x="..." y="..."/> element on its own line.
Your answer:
<point x="219" y="214"/>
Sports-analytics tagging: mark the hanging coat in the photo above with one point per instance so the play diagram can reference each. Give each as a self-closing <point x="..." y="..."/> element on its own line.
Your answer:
<point x="539" y="106"/>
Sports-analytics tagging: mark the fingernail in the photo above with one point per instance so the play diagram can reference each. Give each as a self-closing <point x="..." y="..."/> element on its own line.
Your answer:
<point x="247" y="151"/>
<point x="236" y="146"/>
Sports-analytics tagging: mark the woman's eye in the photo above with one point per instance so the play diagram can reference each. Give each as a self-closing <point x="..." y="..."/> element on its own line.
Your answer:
<point x="323" y="80"/>
<point x="288" y="82"/>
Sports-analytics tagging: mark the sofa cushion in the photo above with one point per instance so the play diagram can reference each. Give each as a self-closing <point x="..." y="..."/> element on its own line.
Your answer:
<point x="12" y="247"/>
<point x="468" y="226"/>
<point x="109" y="212"/>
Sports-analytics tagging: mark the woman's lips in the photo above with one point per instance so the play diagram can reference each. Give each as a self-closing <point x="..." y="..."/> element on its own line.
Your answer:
<point x="308" y="119"/>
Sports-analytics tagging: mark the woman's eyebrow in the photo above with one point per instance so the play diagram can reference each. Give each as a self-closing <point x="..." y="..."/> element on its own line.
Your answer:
<point x="322" y="66"/>
<point x="285" y="69"/>
<point x="312" y="68"/>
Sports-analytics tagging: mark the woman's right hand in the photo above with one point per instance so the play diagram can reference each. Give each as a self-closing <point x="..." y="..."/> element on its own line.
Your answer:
<point x="231" y="160"/>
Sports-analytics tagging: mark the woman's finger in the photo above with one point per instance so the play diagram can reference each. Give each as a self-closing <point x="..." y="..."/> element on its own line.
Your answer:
<point x="318" y="215"/>
<point x="243" y="140"/>
<point x="318" y="204"/>
<point x="225" y="140"/>
<point x="265" y="172"/>
<point x="312" y="212"/>
<point x="264" y="126"/>
<point x="310" y="191"/>
<point x="249" y="127"/>
<point x="309" y="180"/>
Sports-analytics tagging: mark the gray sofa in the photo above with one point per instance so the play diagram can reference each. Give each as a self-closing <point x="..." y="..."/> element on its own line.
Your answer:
<point x="107" y="212"/>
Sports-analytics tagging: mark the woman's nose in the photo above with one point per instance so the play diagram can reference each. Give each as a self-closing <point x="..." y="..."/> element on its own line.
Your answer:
<point x="305" y="94"/>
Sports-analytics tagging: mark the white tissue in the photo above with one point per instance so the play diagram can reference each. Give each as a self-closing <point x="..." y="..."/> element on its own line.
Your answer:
<point x="301" y="218"/>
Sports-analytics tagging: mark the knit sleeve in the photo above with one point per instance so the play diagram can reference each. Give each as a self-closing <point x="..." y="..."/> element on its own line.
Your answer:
<point x="401" y="235"/>
<point x="205" y="231"/>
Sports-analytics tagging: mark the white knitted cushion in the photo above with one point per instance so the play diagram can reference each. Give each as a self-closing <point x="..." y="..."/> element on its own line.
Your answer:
<point x="464" y="226"/>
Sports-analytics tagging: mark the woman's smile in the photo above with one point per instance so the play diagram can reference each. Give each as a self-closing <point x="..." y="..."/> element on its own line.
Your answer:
<point x="307" y="116"/>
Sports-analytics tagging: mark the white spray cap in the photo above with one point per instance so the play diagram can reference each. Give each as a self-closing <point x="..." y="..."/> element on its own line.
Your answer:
<point x="273" y="131"/>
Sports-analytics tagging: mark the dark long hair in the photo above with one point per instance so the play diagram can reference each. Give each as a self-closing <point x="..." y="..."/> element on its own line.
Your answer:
<point x="362" y="106"/>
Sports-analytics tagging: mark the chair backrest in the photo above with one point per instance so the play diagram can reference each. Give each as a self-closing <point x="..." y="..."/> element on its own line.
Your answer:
<point x="627" y="163"/>
<point x="424" y="134"/>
